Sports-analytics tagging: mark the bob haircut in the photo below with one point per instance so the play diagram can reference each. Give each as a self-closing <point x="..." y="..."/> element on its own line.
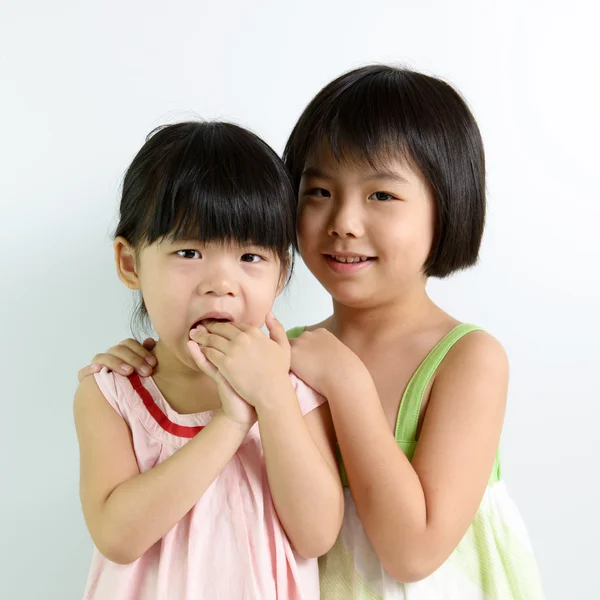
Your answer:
<point x="377" y="113"/>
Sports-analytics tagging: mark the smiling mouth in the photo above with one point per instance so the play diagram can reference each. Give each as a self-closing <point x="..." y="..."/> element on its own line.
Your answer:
<point x="349" y="259"/>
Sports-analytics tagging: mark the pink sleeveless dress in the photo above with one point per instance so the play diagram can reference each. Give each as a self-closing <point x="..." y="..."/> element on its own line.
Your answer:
<point x="231" y="545"/>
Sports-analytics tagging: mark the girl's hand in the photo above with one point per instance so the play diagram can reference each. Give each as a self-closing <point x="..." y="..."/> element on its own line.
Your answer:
<point x="124" y="358"/>
<point x="320" y="359"/>
<point x="233" y="406"/>
<point x="256" y="366"/>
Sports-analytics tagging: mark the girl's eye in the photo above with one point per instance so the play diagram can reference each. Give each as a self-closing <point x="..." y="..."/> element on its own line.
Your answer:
<point x="318" y="193"/>
<point x="189" y="254"/>
<point x="382" y="196"/>
<point x="251" y="258"/>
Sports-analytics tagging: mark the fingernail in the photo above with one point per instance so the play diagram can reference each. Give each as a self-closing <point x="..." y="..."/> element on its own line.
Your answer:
<point x="125" y="368"/>
<point x="145" y="370"/>
<point x="151" y="360"/>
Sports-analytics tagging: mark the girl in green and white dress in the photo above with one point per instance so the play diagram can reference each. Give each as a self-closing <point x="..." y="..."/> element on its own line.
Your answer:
<point x="389" y="168"/>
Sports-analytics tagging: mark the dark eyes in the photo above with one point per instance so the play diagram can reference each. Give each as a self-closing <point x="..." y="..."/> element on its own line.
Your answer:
<point x="382" y="196"/>
<point x="251" y="258"/>
<point x="323" y="193"/>
<point x="189" y="254"/>
<point x="318" y="193"/>
<point x="247" y="257"/>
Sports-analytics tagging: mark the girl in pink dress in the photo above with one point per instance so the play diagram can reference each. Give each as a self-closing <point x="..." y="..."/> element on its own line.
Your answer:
<point x="216" y="477"/>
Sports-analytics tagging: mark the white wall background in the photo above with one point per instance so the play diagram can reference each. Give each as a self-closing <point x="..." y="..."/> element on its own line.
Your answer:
<point x="82" y="83"/>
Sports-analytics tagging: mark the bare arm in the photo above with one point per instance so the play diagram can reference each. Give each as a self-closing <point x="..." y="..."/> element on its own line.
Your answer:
<point x="127" y="512"/>
<point x="303" y="474"/>
<point x="416" y="514"/>
<point x="299" y="451"/>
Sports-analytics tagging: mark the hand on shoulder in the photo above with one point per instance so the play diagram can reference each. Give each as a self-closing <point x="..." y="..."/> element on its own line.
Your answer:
<point x="321" y="360"/>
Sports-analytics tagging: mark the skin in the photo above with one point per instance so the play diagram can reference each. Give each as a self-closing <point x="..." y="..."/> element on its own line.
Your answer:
<point x="361" y="358"/>
<point x="182" y="282"/>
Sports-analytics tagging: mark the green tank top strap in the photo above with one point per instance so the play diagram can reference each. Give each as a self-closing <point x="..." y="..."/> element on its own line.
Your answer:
<point x="410" y="406"/>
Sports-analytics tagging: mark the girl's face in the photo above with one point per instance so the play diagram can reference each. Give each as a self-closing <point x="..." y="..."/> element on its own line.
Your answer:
<point x="365" y="233"/>
<point x="183" y="283"/>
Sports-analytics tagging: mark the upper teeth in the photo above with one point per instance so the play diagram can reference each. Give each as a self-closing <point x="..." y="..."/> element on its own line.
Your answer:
<point x="349" y="259"/>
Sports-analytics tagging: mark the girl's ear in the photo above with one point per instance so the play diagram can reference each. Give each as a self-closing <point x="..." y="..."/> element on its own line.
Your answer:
<point x="126" y="263"/>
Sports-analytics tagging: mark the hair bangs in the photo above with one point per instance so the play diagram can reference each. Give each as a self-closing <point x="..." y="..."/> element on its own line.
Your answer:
<point x="218" y="205"/>
<point x="210" y="182"/>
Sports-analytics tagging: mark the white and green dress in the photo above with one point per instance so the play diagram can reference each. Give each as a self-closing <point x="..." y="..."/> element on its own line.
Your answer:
<point x="493" y="561"/>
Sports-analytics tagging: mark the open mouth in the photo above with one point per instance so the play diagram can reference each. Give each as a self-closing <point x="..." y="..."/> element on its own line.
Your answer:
<point x="213" y="318"/>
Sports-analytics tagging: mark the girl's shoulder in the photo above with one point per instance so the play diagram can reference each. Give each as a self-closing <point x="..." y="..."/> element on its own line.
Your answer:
<point x="470" y="374"/>
<point x="466" y="362"/>
<point x="105" y="388"/>
<point x="472" y="347"/>
<point x="133" y="403"/>
<point x="94" y="407"/>
<point x="102" y="385"/>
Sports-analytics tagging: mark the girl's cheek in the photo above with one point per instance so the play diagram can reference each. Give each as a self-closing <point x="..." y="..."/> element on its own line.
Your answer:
<point x="308" y="223"/>
<point x="302" y="220"/>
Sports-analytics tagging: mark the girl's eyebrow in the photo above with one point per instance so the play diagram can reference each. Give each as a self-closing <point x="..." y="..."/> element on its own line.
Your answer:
<point x="381" y="173"/>
<point x="314" y="172"/>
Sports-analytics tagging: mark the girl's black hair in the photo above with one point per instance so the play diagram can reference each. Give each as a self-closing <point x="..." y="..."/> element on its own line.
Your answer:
<point x="211" y="182"/>
<point x="379" y="112"/>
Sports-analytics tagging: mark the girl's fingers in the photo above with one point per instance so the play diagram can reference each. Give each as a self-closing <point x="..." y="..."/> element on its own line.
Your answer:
<point x="87" y="371"/>
<point x="138" y="349"/>
<point x="214" y="356"/>
<point x="209" y="340"/>
<point x="123" y="360"/>
<point x="203" y="363"/>
<point x="227" y="330"/>
<point x="276" y="330"/>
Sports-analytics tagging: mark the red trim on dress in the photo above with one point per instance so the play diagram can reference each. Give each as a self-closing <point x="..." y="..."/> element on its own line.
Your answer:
<point x="159" y="416"/>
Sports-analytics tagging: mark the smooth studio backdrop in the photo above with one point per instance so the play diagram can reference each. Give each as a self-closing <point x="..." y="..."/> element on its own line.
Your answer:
<point x="82" y="83"/>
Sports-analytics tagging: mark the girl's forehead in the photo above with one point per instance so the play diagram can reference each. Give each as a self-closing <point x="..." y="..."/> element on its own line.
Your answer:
<point x="344" y="154"/>
<point x="325" y="165"/>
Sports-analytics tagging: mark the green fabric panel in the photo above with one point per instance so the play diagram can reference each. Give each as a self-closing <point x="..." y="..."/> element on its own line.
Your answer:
<point x="495" y="559"/>
<point x="339" y="579"/>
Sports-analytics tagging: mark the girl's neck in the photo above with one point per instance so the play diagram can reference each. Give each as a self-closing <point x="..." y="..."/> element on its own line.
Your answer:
<point x="186" y="390"/>
<point x="401" y="316"/>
